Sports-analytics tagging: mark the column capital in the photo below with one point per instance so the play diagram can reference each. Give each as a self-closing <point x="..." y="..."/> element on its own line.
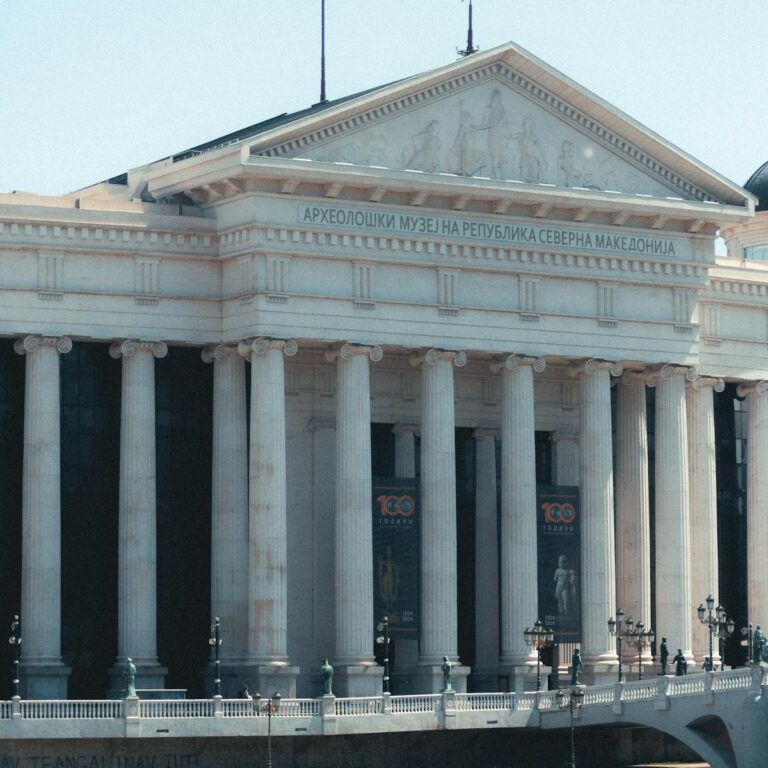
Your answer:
<point x="486" y="432"/>
<point x="591" y="367"/>
<point x="759" y="388"/>
<point x="435" y="356"/>
<point x="261" y="346"/>
<point x="402" y="429"/>
<point x="219" y="352"/>
<point x="62" y="344"/>
<point x="702" y="382"/>
<point x="348" y="351"/>
<point x="666" y="372"/>
<point x="129" y="347"/>
<point x="513" y="362"/>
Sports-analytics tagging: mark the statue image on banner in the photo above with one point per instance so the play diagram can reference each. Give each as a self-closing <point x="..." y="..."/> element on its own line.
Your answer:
<point x="559" y="561"/>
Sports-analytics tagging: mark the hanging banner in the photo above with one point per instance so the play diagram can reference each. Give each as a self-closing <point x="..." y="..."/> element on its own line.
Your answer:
<point x="559" y="560"/>
<point x="396" y="554"/>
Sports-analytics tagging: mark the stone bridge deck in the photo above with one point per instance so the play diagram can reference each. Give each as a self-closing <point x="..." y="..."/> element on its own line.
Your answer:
<point x="723" y="716"/>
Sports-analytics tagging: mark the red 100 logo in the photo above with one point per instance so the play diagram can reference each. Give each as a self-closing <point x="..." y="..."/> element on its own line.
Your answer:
<point x="394" y="506"/>
<point x="556" y="512"/>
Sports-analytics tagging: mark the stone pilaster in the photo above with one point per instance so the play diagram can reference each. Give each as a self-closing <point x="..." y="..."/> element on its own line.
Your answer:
<point x="598" y="567"/>
<point x="439" y="630"/>
<point x="566" y="458"/>
<point x="519" y="562"/>
<point x="757" y="500"/>
<point x="137" y="536"/>
<point x="700" y="410"/>
<point x="633" y="532"/>
<point x="356" y="674"/>
<point x="674" y="606"/>
<point x="267" y="534"/>
<point x="486" y="669"/>
<point x="43" y="673"/>
<point x="229" y="513"/>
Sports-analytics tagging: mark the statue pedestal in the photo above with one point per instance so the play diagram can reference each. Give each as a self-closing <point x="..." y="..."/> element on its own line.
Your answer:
<point x="44" y="680"/>
<point x="522" y="677"/>
<point x="267" y="679"/>
<point x="357" y="680"/>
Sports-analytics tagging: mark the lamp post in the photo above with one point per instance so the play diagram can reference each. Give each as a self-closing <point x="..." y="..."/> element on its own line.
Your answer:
<point x="383" y="639"/>
<point x="573" y="701"/>
<point x="538" y="637"/>
<point x="640" y="638"/>
<point x="15" y="641"/>
<point x="215" y="642"/>
<point x="717" y="623"/>
<point x="619" y="628"/>
<point x="270" y="707"/>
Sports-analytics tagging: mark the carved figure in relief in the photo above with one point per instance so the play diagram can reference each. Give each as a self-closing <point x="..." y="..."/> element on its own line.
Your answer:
<point x="468" y="160"/>
<point x="565" y="165"/>
<point x="533" y="165"/>
<point x="499" y="134"/>
<point x="427" y="149"/>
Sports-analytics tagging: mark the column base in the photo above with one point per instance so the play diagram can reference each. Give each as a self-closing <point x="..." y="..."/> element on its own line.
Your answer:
<point x="149" y="675"/>
<point x="522" y="677"/>
<point x="600" y="672"/>
<point x="358" y="680"/>
<point x="44" y="679"/>
<point x="266" y="678"/>
<point x="428" y="678"/>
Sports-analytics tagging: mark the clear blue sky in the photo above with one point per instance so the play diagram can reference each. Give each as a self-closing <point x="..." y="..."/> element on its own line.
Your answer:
<point x="90" y="88"/>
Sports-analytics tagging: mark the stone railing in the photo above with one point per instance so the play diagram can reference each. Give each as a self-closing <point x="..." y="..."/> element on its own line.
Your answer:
<point x="658" y="690"/>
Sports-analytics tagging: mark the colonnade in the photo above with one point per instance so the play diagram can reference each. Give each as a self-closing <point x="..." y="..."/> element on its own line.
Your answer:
<point x="249" y="514"/>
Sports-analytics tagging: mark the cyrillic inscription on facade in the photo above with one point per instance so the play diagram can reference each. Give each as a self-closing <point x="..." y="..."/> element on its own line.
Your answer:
<point x="502" y="233"/>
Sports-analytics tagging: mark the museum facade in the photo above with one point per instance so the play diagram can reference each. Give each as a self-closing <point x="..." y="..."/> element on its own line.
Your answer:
<point x="457" y="350"/>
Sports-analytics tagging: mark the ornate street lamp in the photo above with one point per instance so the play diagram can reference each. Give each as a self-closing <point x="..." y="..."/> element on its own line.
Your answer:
<point x="538" y="637"/>
<point x="215" y="642"/>
<point x="717" y="623"/>
<point x="619" y="628"/>
<point x="270" y="707"/>
<point x="383" y="639"/>
<point x="15" y="641"/>
<point x="571" y="701"/>
<point x="640" y="638"/>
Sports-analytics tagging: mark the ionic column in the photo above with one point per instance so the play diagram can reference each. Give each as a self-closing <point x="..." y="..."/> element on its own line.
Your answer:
<point x="137" y="537"/>
<point x="439" y="630"/>
<point x="486" y="669"/>
<point x="633" y="532"/>
<point x="674" y="609"/>
<point x="353" y="567"/>
<point x="700" y="410"/>
<point x="42" y="671"/>
<point x="519" y="562"/>
<point x="229" y="510"/>
<point x="598" y="568"/>
<point x="757" y="500"/>
<point x="267" y="534"/>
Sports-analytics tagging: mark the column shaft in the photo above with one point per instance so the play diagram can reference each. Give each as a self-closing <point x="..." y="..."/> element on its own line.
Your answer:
<point x="700" y="410"/>
<point x="267" y="605"/>
<point x="673" y="580"/>
<point x="519" y="563"/>
<point x="438" y="503"/>
<point x="757" y="505"/>
<point x="598" y="598"/>
<point x="353" y="532"/>
<point x="633" y="533"/>
<point x="229" y="509"/>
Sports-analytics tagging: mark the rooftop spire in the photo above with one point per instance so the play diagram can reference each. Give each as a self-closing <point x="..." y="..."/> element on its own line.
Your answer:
<point x="470" y="49"/>
<point x="322" y="52"/>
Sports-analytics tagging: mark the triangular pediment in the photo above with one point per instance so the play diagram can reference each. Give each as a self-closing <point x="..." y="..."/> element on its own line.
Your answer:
<point x="503" y="115"/>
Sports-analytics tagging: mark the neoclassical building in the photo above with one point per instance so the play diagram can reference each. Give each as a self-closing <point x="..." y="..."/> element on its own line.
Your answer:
<point x="484" y="281"/>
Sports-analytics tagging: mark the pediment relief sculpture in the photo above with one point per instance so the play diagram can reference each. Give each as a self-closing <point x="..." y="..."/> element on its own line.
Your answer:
<point x="487" y="130"/>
